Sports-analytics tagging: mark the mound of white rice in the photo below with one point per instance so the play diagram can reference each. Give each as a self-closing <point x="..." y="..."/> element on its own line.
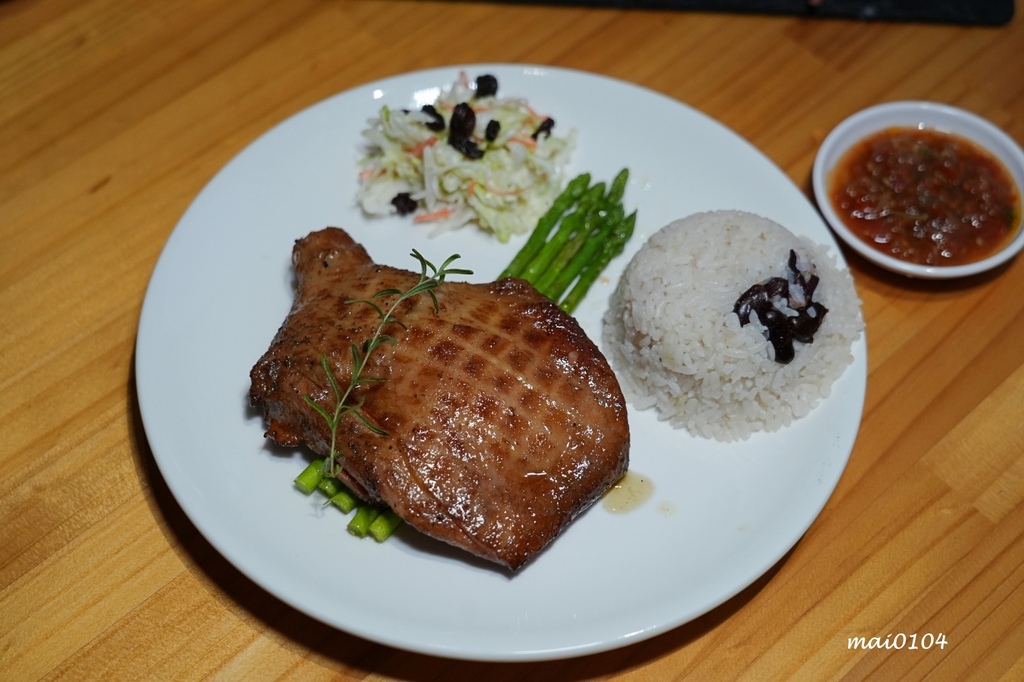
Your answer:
<point x="677" y="345"/>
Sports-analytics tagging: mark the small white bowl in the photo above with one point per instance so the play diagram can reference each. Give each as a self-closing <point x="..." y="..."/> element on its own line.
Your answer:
<point x="922" y="115"/>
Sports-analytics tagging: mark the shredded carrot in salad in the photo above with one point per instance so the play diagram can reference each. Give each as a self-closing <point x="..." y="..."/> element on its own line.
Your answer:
<point x="417" y="149"/>
<point x="439" y="214"/>
<point x="472" y="157"/>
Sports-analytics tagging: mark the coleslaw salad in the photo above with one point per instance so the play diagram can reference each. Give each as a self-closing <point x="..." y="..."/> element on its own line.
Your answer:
<point x="414" y="165"/>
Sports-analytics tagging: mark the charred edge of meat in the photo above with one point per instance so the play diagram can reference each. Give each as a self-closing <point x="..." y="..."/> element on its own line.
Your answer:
<point x="782" y="329"/>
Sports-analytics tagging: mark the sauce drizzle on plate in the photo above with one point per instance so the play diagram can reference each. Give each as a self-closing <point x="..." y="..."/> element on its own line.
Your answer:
<point x="630" y="492"/>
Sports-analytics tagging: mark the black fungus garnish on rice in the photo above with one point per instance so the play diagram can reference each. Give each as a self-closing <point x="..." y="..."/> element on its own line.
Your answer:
<point x="786" y="309"/>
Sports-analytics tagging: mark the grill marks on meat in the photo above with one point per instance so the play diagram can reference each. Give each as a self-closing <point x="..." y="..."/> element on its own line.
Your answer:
<point x="504" y="420"/>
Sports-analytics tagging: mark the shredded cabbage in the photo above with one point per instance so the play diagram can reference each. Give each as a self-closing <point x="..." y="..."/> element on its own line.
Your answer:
<point x="505" y="191"/>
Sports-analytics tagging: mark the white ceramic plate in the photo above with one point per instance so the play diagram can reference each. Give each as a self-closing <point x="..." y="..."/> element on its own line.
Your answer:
<point x="720" y="516"/>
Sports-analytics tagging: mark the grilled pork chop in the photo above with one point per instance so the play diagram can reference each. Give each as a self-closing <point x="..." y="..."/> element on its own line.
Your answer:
<point x="504" y="420"/>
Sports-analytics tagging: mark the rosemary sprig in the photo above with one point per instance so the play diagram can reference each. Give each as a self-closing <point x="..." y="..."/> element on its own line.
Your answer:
<point x="361" y="352"/>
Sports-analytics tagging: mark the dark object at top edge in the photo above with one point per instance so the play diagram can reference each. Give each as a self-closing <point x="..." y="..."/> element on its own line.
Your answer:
<point x="962" y="12"/>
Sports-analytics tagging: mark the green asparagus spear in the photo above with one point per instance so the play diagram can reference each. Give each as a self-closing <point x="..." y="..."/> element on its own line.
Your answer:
<point x="310" y="477"/>
<point x="612" y="248"/>
<point x="384" y="525"/>
<point x="569" y="196"/>
<point x="591" y="225"/>
<point x="572" y="222"/>
<point x="585" y="256"/>
<point x="329" y="485"/>
<point x="610" y="208"/>
<point x="344" y="500"/>
<point x="617" y="188"/>
<point x="360" y="523"/>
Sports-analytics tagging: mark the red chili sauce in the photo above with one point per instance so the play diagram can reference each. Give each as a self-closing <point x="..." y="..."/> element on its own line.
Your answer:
<point x="926" y="197"/>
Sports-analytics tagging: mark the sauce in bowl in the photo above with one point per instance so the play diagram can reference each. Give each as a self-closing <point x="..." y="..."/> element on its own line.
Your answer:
<point x="926" y="197"/>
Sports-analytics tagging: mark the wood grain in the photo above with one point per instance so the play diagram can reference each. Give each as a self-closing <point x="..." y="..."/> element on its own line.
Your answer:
<point x="113" y="115"/>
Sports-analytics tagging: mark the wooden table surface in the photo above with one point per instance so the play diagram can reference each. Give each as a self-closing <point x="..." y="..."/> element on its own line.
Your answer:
<point x="114" y="115"/>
